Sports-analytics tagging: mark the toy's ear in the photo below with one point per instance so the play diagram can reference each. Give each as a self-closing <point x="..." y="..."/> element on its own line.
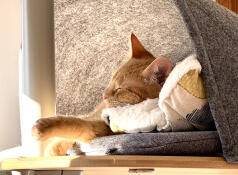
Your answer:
<point x="138" y="51"/>
<point x="158" y="71"/>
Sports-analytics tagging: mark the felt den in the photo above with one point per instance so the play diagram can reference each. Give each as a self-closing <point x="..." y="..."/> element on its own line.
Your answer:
<point x="196" y="112"/>
<point x="171" y="28"/>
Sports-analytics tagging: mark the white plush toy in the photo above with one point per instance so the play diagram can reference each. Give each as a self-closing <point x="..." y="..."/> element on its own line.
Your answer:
<point x="142" y="117"/>
<point x="182" y="94"/>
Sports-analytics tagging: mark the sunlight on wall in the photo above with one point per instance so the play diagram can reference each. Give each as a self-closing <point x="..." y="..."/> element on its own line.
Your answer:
<point x="30" y="111"/>
<point x="36" y="69"/>
<point x="10" y="43"/>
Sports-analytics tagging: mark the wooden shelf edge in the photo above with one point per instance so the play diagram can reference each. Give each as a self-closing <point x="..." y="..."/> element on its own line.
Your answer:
<point x="92" y="162"/>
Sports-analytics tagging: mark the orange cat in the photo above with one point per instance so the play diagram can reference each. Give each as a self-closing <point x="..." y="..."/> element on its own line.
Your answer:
<point x="141" y="77"/>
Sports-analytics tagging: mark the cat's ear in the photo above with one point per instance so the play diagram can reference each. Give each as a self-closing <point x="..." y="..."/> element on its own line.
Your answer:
<point x="158" y="71"/>
<point x="138" y="51"/>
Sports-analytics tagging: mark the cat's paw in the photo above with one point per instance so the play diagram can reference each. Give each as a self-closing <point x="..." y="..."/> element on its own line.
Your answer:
<point x="41" y="128"/>
<point x="58" y="148"/>
<point x="54" y="151"/>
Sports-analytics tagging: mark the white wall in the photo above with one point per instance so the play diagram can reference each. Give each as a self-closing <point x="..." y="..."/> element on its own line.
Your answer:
<point x="10" y="42"/>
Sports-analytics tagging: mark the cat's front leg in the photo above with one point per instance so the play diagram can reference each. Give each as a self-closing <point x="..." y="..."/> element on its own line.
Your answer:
<point x="70" y="128"/>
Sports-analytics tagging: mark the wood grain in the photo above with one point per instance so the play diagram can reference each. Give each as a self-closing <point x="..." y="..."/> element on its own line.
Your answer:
<point x="225" y="3"/>
<point x="165" y="164"/>
<point x="234" y="5"/>
<point x="230" y="4"/>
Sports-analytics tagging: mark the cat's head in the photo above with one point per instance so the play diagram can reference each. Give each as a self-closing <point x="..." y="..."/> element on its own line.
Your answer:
<point x="141" y="77"/>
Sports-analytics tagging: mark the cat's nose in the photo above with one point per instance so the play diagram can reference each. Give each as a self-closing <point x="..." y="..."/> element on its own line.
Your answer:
<point x="105" y="97"/>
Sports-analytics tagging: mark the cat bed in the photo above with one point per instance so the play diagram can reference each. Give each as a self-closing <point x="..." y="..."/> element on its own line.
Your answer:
<point x="211" y="30"/>
<point x="168" y="143"/>
<point x="181" y="99"/>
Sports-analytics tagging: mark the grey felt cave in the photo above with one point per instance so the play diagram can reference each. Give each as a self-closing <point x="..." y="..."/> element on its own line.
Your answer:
<point x="92" y="37"/>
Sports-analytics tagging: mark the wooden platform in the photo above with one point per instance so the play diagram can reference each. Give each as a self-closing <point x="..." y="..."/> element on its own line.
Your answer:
<point x="126" y="164"/>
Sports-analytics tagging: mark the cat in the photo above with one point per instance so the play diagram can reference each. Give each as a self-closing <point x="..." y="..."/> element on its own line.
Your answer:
<point x="141" y="77"/>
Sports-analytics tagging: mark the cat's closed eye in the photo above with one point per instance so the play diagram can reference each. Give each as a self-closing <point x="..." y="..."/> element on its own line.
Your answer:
<point x="118" y="90"/>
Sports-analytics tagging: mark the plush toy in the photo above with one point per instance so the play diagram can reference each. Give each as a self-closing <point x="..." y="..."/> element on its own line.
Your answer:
<point x="181" y="96"/>
<point x="142" y="117"/>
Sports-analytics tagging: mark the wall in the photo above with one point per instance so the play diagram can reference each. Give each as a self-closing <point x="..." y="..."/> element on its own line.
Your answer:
<point x="37" y="75"/>
<point x="10" y="42"/>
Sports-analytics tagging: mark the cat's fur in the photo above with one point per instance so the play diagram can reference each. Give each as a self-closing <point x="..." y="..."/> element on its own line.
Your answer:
<point x="141" y="77"/>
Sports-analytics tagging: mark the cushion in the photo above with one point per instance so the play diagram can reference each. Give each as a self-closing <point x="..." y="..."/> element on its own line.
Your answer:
<point x="172" y="143"/>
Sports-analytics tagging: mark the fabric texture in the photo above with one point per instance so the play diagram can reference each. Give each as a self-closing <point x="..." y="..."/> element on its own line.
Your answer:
<point x="202" y="119"/>
<point x="214" y="31"/>
<point x="172" y="143"/>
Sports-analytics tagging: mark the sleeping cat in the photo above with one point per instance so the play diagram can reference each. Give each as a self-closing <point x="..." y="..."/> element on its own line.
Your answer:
<point x="141" y="77"/>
